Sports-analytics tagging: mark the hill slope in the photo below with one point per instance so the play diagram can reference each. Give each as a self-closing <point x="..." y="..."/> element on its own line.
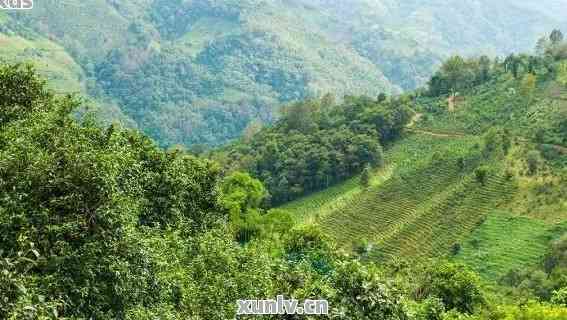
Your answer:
<point x="478" y="177"/>
<point x="194" y="72"/>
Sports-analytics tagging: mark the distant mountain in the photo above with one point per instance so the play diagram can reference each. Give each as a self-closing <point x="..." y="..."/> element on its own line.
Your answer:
<point x="198" y="72"/>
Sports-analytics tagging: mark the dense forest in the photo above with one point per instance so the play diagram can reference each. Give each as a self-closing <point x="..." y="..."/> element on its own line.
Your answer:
<point x="317" y="144"/>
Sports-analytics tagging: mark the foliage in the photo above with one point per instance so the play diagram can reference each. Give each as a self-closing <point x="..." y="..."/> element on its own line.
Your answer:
<point x="242" y="193"/>
<point x="556" y="36"/>
<point x="427" y="191"/>
<point x="457" y="75"/>
<point x="456" y="286"/>
<point x="523" y="96"/>
<point x="21" y="92"/>
<point x="365" y="177"/>
<point x="533" y="160"/>
<point x="101" y="223"/>
<point x="314" y="146"/>
<point x="528" y="85"/>
<point x="559" y="297"/>
<point x="74" y="201"/>
<point x="533" y="312"/>
<point x="493" y="253"/>
<point x="481" y="174"/>
<point x="562" y="73"/>
<point x="364" y="296"/>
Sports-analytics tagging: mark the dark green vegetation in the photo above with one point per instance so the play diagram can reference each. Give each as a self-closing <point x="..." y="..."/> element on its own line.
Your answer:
<point x="317" y="144"/>
<point x="101" y="224"/>
<point x="198" y="72"/>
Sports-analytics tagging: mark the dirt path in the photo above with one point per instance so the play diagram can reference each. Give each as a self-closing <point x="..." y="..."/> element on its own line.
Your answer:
<point x="418" y="116"/>
<point x="439" y="134"/>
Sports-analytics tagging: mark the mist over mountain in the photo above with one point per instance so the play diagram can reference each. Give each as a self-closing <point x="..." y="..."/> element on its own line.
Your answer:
<point x="199" y="72"/>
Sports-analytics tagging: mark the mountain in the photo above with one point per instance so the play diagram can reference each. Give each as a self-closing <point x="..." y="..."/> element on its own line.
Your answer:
<point x="199" y="72"/>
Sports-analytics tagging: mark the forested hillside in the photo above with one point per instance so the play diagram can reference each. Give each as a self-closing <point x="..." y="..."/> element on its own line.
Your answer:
<point x="318" y="143"/>
<point x="199" y="72"/>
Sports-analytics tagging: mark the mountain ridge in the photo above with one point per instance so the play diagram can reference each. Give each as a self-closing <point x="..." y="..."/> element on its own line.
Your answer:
<point x="181" y="70"/>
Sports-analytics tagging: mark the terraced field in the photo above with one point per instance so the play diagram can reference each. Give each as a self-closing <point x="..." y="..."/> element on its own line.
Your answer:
<point x="445" y="220"/>
<point x="427" y="202"/>
<point x="431" y="201"/>
<point x="410" y="152"/>
<point x="312" y="207"/>
<point x="504" y="242"/>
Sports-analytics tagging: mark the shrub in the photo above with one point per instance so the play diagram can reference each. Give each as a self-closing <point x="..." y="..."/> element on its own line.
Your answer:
<point x="456" y="286"/>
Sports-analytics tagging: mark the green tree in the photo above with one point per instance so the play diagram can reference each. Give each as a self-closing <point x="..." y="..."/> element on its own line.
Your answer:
<point x="431" y="309"/>
<point x="241" y="192"/>
<point x="242" y="196"/>
<point x="481" y="174"/>
<point x="542" y="46"/>
<point x="365" y="177"/>
<point x="533" y="160"/>
<point x="82" y="205"/>
<point x="22" y="91"/>
<point x="301" y="116"/>
<point x="456" y="286"/>
<point x="361" y="294"/>
<point x="556" y="258"/>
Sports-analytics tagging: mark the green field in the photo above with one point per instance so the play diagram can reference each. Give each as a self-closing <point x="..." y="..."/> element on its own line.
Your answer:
<point x="312" y="207"/>
<point x="504" y="242"/>
<point x="422" y="204"/>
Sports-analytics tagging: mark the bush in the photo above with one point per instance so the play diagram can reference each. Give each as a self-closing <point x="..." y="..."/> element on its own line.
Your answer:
<point x="481" y="174"/>
<point x="533" y="161"/>
<point x="559" y="297"/>
<point x="456" y="286"/>
<point x="362" y="295"/>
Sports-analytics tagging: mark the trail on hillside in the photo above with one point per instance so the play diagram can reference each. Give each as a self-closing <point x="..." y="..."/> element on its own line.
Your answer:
<point x="440" y="134"/>
<point x="411" y="128"/>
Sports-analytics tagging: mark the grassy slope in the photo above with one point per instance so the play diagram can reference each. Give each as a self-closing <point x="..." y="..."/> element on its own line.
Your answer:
<point x="425" y="207"/>
<point x="52" y="61"/>
<point x="313" y="207"/>
<point x="63" y="73"/>
<point x="505" y="242"/>
<point x="411" y="183"/>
